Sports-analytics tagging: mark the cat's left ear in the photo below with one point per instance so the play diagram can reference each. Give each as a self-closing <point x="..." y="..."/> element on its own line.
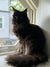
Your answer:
<point x="25" y="11"/>
<point x="14" y="9"/>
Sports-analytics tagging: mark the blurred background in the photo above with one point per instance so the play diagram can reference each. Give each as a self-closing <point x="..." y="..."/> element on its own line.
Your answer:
<point x="38" y="13"/>
<point x="6" y="35"/>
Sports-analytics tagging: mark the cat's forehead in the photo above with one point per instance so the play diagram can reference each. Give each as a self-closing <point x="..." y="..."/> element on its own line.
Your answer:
<point x="18" y="13"/>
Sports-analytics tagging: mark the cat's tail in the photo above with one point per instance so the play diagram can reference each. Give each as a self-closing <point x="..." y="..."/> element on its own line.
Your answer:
<point x="23" y="60"/>
<point x="20" y="60"/>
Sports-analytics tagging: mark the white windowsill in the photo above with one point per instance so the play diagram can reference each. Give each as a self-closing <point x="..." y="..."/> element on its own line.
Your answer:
<point x="5" y="50"/>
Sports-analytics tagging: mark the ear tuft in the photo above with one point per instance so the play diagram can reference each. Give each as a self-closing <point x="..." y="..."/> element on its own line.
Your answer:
<point x="14" y="9"/>
<point x="25" y="11"/>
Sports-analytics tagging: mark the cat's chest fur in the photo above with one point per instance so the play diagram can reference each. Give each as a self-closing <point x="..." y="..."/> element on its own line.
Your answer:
<point x="31" y="38"/>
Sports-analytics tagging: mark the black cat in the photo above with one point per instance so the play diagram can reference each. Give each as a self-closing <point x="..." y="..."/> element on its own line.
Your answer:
<point x="32" y="42"/>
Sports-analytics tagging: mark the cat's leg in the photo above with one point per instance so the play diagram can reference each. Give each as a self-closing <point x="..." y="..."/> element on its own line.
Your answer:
<point x="41" y="58"/>
<point x="27" y="50"/>
<point x="21" y="49"/>
<point x="27" y="46"/>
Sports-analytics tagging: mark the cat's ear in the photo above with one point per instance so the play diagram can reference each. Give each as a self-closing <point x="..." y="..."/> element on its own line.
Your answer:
<point x="14" y="9"/>
<point x="25" y="11"/>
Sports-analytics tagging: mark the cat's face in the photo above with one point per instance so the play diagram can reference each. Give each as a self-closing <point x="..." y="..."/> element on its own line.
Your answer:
<point x="19" y="17"/>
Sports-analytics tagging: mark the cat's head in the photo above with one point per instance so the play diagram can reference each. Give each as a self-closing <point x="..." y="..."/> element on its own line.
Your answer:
<point x="20" y="17"/>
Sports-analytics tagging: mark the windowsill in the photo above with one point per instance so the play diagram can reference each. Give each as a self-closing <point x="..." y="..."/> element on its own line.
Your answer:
<point x="4" y="50"/>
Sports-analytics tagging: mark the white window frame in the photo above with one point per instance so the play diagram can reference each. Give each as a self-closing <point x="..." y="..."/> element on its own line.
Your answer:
<point x="31" y="9"/>
<point x="2" y="22"/>
<point x="13" y="48"/>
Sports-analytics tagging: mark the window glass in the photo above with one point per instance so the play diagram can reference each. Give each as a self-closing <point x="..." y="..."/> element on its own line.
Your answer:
<point x="0" y="22"/>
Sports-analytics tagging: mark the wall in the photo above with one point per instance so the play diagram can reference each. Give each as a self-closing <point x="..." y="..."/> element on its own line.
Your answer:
<point x="43" y="20"/>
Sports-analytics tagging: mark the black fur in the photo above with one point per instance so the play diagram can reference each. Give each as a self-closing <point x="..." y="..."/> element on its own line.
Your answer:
<point x="32" y="42"/>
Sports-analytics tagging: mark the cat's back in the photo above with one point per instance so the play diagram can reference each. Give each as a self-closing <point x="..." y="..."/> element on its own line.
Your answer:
<point x="36" y="32"/>
<point x="34" y="28"/>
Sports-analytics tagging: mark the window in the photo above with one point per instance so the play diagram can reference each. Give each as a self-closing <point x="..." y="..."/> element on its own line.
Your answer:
<point x="1" y="23"/>
<point x="31" y="6"/>
<point x="8" y="45"/>
<point x="19" y="5"/>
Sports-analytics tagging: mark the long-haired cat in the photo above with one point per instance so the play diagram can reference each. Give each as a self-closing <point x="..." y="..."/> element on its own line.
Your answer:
<point x="32" y="42"/>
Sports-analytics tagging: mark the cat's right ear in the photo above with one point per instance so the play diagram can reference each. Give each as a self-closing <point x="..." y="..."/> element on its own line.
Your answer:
<point x="14" y="9"/>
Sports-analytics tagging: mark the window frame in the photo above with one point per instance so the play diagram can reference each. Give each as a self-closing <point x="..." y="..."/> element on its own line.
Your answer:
<point x="2" y="22"/>
<point x="32" y="8"/>
<point x="5" y="50"/>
